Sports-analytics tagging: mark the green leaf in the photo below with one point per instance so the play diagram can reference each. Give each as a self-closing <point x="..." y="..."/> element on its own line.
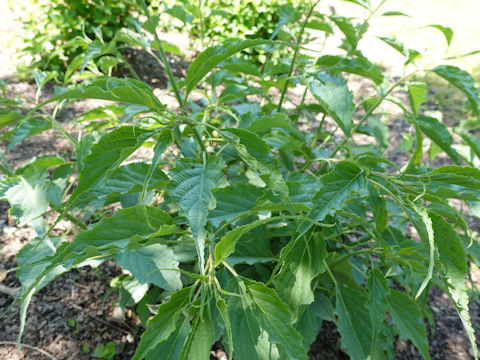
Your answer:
<point x="395" y="13"/>
<point x="377" y="295"/>
<point x="223" y="310"/>
<point x="42" y="162"/>
<point x="201" y="337"/>
<point x="320" y="25"/>
<point x="155" y="264"/>
<point x="256" y="154"/>
<point x="347" y="28"/>
<point x="446" y="31"/>
<point x="106" y="155"/>
<point x="125" y="224"/>
<point x="241" y="65"/>
<point x="211" y="57"/>
<point x="379" y="208"/>
<point x="418" y="93"/>
<point x="114" y="89"/>
<point x="276" y="319"/>
<point x="354" y="65"/>
<point x="394" y="43"/>
<point x="472" y="141"/>
<point x="380" y="131"/>
<point x="163" y="323"/>
<point x="171" y="348"/>
<point x="409" y="320"/>
<point x="191" y="187"/>
<point x="461" y="80"/>
<point x="27" y="128"/>
<point x="286" y="13"/>
<point x="453" y="262"/>
<point x="353" y="322"/>
<point x="331" y="91"/>
<point x="457" y="175"/>
<point x="304" y="262"/>
<point x="9" y="117"/>
<point x="440" y="135"/>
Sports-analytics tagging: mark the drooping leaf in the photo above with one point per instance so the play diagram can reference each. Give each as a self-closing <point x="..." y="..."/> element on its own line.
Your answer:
<point x="446" y="31"/>
<point x="191" y="187"/>
<point x="457" y="175"/>
<point x="408" y="319"/>
<point x="379" y="209"/>
<point x="354" y="65"/>
<point x="418" y="93"/>
<point x="377" y="294"/>
<point x="237" y="64"/>
<point x="171" y="348"/>
<point x="163" y="323"/>
<point x="126" y="90"/>
<point x="304" y="262"/>
<point x="155" y="264"/>
<point x="27" y="128"/>
<point x="461" y="80"/>
<point x="331" y="91"/>
<point x="211" y="57"/>
<point x="347" y="28"/>
<point x="256" y="154"/>
<point x="106" y="155"/>
<point x="353" y="322"/>
<point x="396" y="44"/>
<point x="286" y="13"/>
<point x="200" y="338"/>
<point x="9" y="117"/>
<point x="440" y="135"/>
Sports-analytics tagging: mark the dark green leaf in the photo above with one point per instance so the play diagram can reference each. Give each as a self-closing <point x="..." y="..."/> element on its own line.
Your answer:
<point x="377" y="294"/>
<point x="27" y="128"/>
<point x="201" y="337"/>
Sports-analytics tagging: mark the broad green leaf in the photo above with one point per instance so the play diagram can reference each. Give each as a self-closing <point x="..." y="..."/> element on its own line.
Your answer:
<point x="377" y="294"/>
<point x="408" y="319"/>
<point x="256" y="154"/>
<point x="354" y="65"/>
<point x="241" y="65"/>
<point x="233" y="201"/>
<point x="155" y="264"/>
<point x="331" y="91"/>
<point x="353" y="322"/>
<point x="223" y="310"/>
<point x="42" y="162"/>
<point x="446" y="31"/>
<point x="380" y="131"/>
<point x="345" y="179"/>
<point x="131" y="291"/>
<point x="308" y="326"/>
<point x="27" y="128"/>
<point x="171" y="348"/>
<point x="125" y="224"/>
<point x="252" y="251"/>
<point x="379" y="208"/>
<point x="162" y="325"/>
<point x="418" y="93"/>
<point x="286" y="13"/>
<point x="9" y="117"/>
<point x="106" y="155"/>
<point x="201" y="337"/>
<point x="453" y="262"/>
<point x="440" y="135"/>
<point x="472" y="141"/>
<point x="304" y="262"/>
<point x="347" y="28"/>
<point x="457" y="175"/>
<point x="132" y="38"/>
<point x="320" y="25"/>
<point x="114" y="89"/>
<point x="276" y="319"/>
<point x="394" y="43"/>
<point x="191" y="187"/>
<point x="211" y="57"/>
<point x="461" y="80"/>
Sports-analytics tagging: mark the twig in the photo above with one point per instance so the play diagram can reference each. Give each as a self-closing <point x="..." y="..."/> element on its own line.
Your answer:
<point x="13" y="343"/>
<point x="9" y="290"/>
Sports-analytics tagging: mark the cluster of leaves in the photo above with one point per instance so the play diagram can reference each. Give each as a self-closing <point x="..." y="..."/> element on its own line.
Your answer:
<point x="255" y="222"/>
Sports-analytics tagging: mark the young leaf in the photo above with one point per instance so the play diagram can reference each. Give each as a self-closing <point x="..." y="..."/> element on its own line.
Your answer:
<point x="454" y="265"/>
<point x="331" y="91"/>
<point x="408" y="319"/>
<point x="191" y="187"/>
<point x="418" y="93"/>
<point x="110" y="88"/>
<point x="106" y="155"/>
<point x="461" y="80"/>
<point x="211" y="57"/>
<point x="155" y="264"/>
<point x="440" y="135"/>
<point x="353" y="322"/>
<point x="304" y="262"/>
<point x="354" y="65"/>
<point x="163" y="324"/>
<point x="446" y="31"/>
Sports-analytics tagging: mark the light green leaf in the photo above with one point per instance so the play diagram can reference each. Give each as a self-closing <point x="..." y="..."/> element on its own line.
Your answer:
<point x="304" y="262"/>
<point x="377" y="294"/>
<point x="162" y="325"/>
<point x="472" y="141"/>
<point x="461" y="80"/>
<point x="347" y="28"/>
<point x="114" y="89"/>
<point x="191" y="187"/>
<point x="27" y="128"/>
<point x="106" y="155"/>
<point x="453" y="263"/>
<point x="379" y="208"/>
<point x="408" y="319"/>
<point x="354" y="65"/>
<point x="394" y="43"/>
<point x="154" y="264"/>
<point x="211" y="57"/>
<point x="241" y="65"/>
<point x="256" y="154"/>
<point x="353" y="322"/>
<point x="286" y="13"/>
<point x="9" y="117"/>
<point x="331" y="91"/>
<point x="418" y="93"/>
<point x="457" y="175"/>
<point x="201" y="337"/>
<point x="440" y="135"/>
<point x="446" y="31"/>
<point x="42" y="162"/>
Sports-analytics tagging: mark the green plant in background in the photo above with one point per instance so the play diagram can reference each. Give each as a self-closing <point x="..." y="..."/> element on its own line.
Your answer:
<point x="254" y="221"/>
<point x="105" y="351"/>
